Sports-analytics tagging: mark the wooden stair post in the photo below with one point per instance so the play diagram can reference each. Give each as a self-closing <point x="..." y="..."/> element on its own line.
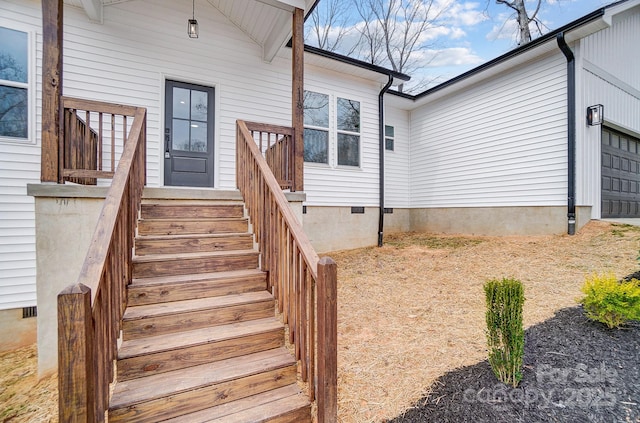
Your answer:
<point x="327" y="395"/>
<point x="75" y="356"/>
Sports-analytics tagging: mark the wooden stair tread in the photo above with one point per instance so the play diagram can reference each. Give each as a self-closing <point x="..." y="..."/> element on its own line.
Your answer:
<point x="160" y="280"/>
<point x="173" y="341"/>
<point x="191" y="236"/>
<point x="182" y="256"/>
<point x="184" y="306"/>
<point x="269" y="404"/>
<point x="192" y="219"/>
<point x="129" y="392"/>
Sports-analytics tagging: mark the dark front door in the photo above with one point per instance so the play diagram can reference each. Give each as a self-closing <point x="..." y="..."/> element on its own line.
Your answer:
<point x="188" y="135"/>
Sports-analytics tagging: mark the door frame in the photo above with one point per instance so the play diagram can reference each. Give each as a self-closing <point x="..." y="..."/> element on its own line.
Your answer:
<point x="164" y="77"/>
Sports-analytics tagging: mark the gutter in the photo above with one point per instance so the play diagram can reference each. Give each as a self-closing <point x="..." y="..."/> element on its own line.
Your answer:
<point x="381" y="134"/>
<point x="571" y="132"/>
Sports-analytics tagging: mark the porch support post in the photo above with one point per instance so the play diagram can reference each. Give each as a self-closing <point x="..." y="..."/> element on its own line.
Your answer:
<point x="52" y="18"/>
<point x="297" y="98"/>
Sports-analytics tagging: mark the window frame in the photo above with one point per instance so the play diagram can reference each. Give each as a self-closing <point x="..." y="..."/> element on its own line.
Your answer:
<point x="390" y="138"/>
<point x="334" y="132"/>
<point x="30" y="85"/>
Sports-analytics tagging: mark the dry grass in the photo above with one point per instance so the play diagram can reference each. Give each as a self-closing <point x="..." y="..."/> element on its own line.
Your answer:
<point x="408" y="313"/>
<point x="413" y="310"/>
<point x="22" y="397"/>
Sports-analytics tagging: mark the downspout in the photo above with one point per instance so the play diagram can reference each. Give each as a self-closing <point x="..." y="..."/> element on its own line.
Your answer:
<point x="381" y="153"/>
<point x="571" y="132"/>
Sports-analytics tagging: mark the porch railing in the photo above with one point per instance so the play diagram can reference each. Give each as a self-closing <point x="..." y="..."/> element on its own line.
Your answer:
<point x="303" y="285"/>
<point x="276" y="143"/>
<point x="90" y="311"/>
<point x="94" y="134"/>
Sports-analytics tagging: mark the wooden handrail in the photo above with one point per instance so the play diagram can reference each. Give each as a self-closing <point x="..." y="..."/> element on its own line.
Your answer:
<point x="92" y="131"/>
<point x="90" y="311"/>
<point x="300" y="281"/>
<point x="276" y="143"/>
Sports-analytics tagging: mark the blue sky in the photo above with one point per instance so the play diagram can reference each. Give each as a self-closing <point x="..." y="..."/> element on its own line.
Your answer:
<point x="473" y="32"/>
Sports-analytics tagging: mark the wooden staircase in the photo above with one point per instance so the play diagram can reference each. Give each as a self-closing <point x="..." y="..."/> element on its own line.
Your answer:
<point x="201" y="341"/>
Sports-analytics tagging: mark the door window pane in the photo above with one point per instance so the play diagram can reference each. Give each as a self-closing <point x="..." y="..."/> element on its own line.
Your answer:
<point x="348" y="150"/>
<point x="316" y="109"/>
<point x="14" y="55"/>
<point x="316" y="146"/>
<point x="181" y="103"/>
<point x="198" y="137"/>
<point x="180" y="135"/>
<point x="348" y="115"/>
<point x="199" y="101"/>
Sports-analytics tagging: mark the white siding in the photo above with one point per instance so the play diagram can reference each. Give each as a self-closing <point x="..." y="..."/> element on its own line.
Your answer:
<point x="396" y="163"/>
<point x="126" y="60"/>
<point x="608" y="75"/>
<point x="19" y="165"/>
<point x="499" y="143"/>
<point x="344" y="186"/>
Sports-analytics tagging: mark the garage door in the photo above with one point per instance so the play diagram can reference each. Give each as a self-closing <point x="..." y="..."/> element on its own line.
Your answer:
<point x="620" y="174"/>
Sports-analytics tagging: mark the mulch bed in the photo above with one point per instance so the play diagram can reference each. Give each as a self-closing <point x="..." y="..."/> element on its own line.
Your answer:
<point x="575" y="370"/>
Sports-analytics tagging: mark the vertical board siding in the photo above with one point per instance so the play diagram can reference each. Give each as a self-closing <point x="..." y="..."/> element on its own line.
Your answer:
<point x="20" y="165"/>
<point x="499" y="143"/>
<point x="396" y="163"/>
<point x="609" y="77"/>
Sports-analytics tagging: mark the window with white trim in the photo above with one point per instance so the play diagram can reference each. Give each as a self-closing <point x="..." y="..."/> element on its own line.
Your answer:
<point x="331" y="124"/>
<point x="389" y="137"/>
<point x="14" y="84"/>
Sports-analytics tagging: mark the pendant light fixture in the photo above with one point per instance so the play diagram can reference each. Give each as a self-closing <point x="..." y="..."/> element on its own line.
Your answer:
<point x="192" y="24"/>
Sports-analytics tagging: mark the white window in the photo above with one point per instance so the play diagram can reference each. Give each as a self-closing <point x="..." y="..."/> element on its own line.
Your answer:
<point x="15" y="76"/>
<point x="389" y="137"/>
<point x="331" y="124"/>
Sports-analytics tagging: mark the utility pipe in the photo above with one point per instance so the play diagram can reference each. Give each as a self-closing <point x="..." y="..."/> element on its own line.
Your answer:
<point x="571" y="132"/>
<point x="381" y="154"/>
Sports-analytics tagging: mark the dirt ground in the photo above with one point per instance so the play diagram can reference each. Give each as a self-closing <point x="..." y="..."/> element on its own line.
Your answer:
<point x="408" y="313"/>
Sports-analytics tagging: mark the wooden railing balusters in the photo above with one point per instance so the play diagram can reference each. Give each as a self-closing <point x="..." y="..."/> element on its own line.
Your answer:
<point x="298" y="279"/>
<point x="97" y="301"/>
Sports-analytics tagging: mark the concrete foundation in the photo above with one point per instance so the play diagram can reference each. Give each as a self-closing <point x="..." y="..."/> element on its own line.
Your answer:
<point x="496" y="221"/>
<point x="336" y="228"/>
<point x="15" y="331"/>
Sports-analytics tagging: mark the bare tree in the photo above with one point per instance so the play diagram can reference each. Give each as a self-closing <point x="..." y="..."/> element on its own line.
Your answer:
<point x="330" y="24"/>
<point x="392" y="31"/>
<point x="523" y="18"/>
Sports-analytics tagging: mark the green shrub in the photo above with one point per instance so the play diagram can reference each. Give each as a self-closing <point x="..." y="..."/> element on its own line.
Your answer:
<point x="611" y="302"/>
<point x="505" y="334"/>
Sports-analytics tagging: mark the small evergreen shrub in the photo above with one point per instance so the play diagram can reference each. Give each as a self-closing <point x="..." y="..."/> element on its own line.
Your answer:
<point x="505" y="333"/>
<point x="611" y="302"/>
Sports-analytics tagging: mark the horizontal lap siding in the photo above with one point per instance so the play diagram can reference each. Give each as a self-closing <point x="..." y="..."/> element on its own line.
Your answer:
<point x="124" y="60"/>
<point x="397" y="171"/>
<point x="500" y="143"/>
<point x="343" y="186"/>
<point x="609" y="76"/>
<point x="20" y="165"/>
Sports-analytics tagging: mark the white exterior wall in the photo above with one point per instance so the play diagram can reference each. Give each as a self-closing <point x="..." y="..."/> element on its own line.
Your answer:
<point x="20" y="165"/>
<point x="332" y="185"/>
<point x="396" y="163"/>
<point x="607" y="74"/>
<point x="501" y="142"/>
<point x="126" y="60"/>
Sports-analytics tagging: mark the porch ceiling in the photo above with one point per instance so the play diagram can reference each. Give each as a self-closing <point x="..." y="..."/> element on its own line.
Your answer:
<point x="267" y="22"/>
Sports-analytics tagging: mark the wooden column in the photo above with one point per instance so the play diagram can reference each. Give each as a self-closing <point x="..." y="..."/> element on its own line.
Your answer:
<point x="76" y="388"/>
<point x="297" y="98"/>
<point x="327" y="393"/>
<point x="52" y="17"/>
